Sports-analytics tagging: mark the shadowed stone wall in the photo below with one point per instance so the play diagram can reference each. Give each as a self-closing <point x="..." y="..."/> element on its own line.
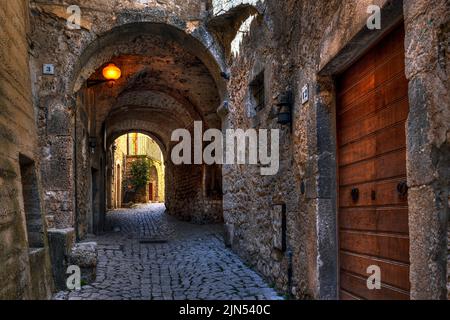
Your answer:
<point x="306" y="43"/>
<point x="25" y="271"/>
<point x="282" y="45"/>
<point x="428" y="138"/>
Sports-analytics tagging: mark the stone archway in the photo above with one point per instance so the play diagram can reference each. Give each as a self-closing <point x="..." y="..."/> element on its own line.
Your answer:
<point x="172" y="69"/>
<point x="165" y="86"/>
<point x="127" y="39"/>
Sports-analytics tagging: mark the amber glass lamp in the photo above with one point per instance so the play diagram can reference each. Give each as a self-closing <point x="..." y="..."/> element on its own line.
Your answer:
<point x="111" y="72"/>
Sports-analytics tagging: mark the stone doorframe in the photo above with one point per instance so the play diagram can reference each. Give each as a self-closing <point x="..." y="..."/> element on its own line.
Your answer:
<point x="428" y="176"/>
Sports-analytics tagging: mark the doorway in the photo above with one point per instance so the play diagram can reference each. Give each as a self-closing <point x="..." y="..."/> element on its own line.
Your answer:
<point x="372" y="108"/>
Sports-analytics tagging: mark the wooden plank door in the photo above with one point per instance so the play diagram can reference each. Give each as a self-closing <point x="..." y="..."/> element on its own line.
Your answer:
<point x="372" y="108"/>
<point x="150" y="192"/>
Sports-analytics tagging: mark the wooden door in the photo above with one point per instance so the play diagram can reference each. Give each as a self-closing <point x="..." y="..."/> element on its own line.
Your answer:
<point x="150" y="192"/>
<point x="372" y="108"/>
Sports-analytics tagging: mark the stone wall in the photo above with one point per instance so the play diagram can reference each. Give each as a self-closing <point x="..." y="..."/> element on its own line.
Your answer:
<point x="82" y="154"/>
<point x="141" y="144"/>
<point x="183" y="190"/>
<point x="223" y="6"/>
<point x="25" y="271"/>
<point x="428" y="71"/>
<point x="282" y="46"/>
<point x="186" y="198"/>
<point x="172" y="28"/>
<point x="161" y="174"/>
<point x="306" y="43"/>
<point x="118" y="163"/>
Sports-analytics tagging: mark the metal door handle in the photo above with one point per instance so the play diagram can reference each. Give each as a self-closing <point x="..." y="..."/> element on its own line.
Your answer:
<point x="355" y="194"/>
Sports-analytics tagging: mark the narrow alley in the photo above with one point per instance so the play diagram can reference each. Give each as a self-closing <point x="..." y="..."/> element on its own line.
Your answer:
<point x="293" y="150"/>
<point x="193" y="264"/>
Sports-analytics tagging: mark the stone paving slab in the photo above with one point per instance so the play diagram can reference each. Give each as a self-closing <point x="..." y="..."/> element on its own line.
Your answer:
<point x="193" y="264"/>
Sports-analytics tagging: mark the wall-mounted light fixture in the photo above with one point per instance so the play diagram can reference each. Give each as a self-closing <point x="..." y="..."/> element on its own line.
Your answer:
<point x="284" y="104"/>
<point x="111" y="73"/>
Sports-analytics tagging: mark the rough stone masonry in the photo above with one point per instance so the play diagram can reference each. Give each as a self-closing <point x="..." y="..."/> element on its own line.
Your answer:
<point x="232" y="64"/>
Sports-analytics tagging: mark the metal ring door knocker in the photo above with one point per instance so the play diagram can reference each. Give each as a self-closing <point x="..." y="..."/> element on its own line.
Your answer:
<point x="402" y="189"/>
<point x="355" y="194"/>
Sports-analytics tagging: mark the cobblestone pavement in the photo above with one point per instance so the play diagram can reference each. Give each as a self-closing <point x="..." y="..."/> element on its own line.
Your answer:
<point x="193" y="264"/>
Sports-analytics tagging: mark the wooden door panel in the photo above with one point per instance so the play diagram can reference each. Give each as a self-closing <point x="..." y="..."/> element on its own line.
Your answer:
<point x="358" y="151"/>
<point x="390" y="46"/>
<point x="394" y="114"/>
<point x="385" y="192"/>
<point x="346" y="296"/>
<point x="384" y="220"/>
<point x="380" y="143"/>
<point x="372" y="108"/>
<point x="393" y="274"/>
<point x="358" y="286"/>
<point x="357" y="92"/>
<point x="374" y="101"/>
<point x="388" y="71"/>
<point x="387" y="166"/>
<point x="379" y="245"/>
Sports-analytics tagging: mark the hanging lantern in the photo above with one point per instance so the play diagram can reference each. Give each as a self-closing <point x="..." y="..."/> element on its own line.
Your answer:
<point x="111" y="72"/>
<point x="285" y="108"/>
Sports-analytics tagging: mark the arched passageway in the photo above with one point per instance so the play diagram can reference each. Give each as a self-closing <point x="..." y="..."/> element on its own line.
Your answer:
<point x="362" y="160"/>
<point x="140" y="172"/>
<point x="168" y="81"/>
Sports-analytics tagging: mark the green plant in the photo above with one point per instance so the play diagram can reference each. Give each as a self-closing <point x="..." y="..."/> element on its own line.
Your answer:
<point x="140" y="173"/>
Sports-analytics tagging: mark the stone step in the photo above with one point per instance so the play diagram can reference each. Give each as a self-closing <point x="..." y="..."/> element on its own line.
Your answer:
<point x="50" y="219"/>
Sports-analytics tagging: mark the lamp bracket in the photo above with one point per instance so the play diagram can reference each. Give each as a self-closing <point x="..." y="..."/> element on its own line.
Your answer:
<point x="93" y="83"/>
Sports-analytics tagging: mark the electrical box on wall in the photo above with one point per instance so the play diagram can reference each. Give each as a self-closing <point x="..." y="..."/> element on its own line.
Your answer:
<point x="279" y="225"/>
<point x="305" y="94"/>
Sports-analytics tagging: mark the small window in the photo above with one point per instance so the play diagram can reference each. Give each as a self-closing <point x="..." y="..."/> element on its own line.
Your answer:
<point x="258" y="91"/>
<point x="32" y="203"/>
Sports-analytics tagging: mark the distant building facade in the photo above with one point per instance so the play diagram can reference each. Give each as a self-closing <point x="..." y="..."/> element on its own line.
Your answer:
<point x="127" y="149"/>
